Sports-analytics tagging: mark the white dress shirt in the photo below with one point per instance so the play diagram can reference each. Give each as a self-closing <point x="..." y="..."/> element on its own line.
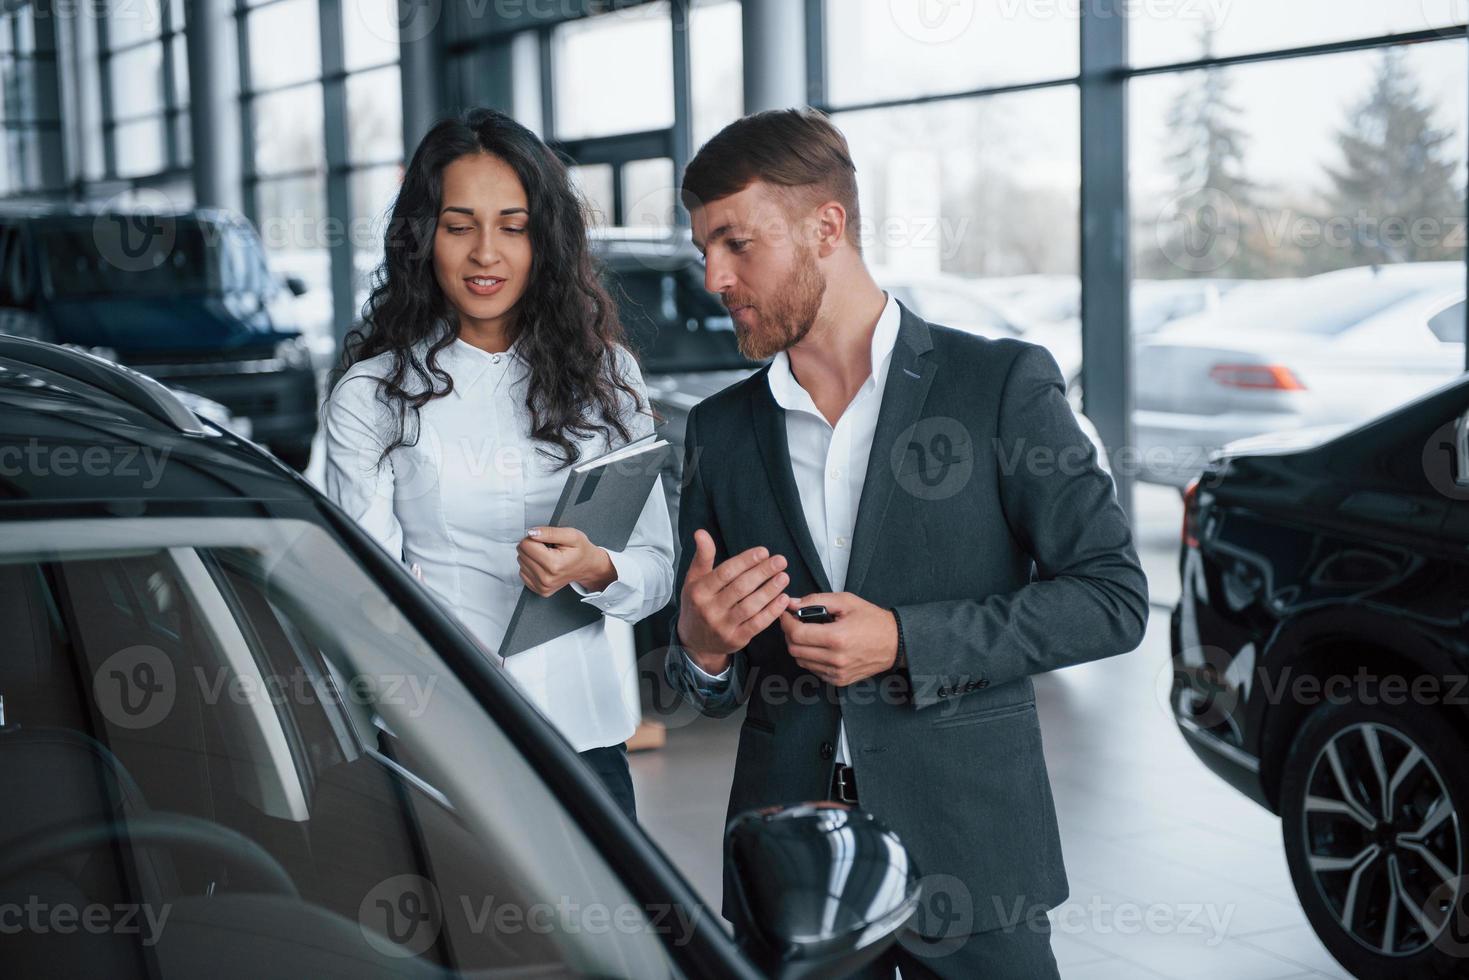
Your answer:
<point x="830" y="463"/>
<point x="458" y="502"/>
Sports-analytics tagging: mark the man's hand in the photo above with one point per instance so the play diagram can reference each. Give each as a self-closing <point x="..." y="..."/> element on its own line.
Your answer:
<point x="721" y="609"/>
<point x="553" y="557"/>
<point x="861" y="643"/>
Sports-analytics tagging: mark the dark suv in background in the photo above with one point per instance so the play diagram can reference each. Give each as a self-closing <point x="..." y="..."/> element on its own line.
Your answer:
<point x="184" y="297"/>
<point x="1321" y="666"/>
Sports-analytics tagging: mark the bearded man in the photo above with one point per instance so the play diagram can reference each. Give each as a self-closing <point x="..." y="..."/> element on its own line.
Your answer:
<point x="885" y="468"/>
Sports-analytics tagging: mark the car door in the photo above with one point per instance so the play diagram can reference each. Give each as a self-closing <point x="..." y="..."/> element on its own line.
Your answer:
<point x="292" y="777"/>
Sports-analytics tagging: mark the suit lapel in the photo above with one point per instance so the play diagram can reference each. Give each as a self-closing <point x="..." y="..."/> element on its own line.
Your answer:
<point x="910" y="374"/>
<point x="770" y="435"/>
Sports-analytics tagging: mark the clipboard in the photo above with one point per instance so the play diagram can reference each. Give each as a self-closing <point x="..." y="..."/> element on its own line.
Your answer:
<point x="603" y="498"/>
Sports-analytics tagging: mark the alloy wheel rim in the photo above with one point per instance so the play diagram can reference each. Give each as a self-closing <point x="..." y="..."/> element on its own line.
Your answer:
<point x="1382" y="841"/>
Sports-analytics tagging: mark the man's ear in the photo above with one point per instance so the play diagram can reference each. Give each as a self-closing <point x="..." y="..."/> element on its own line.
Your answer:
<point x="831" y="227"/>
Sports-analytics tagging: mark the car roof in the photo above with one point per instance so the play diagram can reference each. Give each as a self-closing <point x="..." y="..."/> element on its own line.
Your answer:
<point x="46" y="213"/>
<point x="74" y="427"/>
<point x="624" y="250"/>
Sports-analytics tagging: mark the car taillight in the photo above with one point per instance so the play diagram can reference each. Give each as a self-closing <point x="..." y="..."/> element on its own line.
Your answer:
<point x="1191" y="514"/>
<point x="1268" y="377"/>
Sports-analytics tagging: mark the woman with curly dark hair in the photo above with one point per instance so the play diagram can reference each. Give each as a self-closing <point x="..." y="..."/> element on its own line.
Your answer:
<point x="489" y="361"/>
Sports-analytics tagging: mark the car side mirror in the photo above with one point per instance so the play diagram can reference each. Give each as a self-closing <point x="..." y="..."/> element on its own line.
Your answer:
<point x="821" y="889"/>
<point x="296" y="285"/>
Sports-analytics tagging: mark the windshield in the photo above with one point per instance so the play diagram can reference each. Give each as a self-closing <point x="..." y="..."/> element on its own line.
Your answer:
<point x="244" y="684"/>
<point x="149" y="255"/>
<point x="673" y="322"/>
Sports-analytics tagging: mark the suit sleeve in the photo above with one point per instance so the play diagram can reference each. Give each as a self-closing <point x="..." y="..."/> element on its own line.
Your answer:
<point x="1088" y="598"/>
<point x="713" y="696"/>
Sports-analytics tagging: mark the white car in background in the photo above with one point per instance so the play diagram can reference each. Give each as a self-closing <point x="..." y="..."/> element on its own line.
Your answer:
<point x="1330" y="350"/>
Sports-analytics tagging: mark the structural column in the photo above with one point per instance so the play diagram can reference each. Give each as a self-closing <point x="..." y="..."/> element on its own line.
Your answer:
<point x="775" y="54"/>
<point x="214" y="104"/>
<point x="1106" y="274"/>
<point x="421" y="68"/>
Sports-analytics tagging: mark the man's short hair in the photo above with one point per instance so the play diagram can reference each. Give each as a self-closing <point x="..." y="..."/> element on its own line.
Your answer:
<point x="796" y="149"/>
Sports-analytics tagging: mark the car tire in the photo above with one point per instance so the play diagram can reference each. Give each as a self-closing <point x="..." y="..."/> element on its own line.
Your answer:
<point x="1355" y="880"/>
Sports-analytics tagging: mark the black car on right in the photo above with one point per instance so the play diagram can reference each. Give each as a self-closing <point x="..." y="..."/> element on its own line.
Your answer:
<point x="1320" y="652"/>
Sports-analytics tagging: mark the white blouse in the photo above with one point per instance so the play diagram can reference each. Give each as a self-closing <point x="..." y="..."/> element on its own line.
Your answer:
<point x="459" y="501"/>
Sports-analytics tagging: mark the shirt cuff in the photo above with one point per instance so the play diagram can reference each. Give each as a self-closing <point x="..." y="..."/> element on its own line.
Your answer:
<point x="623" y="595"/>
<point x="703" y="677"/>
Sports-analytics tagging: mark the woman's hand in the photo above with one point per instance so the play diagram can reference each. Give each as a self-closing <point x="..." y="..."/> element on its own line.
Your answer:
<point x="553" y="557"/>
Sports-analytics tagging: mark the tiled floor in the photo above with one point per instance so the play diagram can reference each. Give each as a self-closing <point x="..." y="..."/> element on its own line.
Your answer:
<point x="1173" y="874"/>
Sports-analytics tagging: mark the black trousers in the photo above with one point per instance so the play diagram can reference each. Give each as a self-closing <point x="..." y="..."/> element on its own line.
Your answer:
<point x="1022" y="952"/>
<point x="610" y="765"/>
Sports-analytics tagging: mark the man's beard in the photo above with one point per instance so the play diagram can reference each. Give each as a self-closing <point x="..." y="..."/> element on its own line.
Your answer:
<point x="784" y="320"/>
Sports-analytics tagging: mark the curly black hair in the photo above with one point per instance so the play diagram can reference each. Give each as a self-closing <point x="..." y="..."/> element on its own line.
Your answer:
<point x="566" y="325"/>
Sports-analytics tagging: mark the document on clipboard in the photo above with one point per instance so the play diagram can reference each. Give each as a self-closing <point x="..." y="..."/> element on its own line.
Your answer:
<point x="603" y="498"/>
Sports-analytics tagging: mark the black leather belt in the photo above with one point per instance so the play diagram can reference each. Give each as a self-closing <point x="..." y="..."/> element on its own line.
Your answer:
<point x="844" y="785"/>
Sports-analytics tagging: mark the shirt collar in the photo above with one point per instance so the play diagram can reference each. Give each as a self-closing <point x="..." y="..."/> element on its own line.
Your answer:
<point x="466" y="363"/>
<point x="790" y="395"/>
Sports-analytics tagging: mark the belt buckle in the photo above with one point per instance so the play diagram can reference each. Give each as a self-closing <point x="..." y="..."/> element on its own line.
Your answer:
<point x="845" y="792"/>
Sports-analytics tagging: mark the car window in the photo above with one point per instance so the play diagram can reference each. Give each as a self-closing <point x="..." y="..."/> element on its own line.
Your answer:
<point x="1448" y="325"/>
<point x="125" y="254"/>
<point x="247" y="678"/>
<point x="14" y="268"/>
<point x="673" y="322"/>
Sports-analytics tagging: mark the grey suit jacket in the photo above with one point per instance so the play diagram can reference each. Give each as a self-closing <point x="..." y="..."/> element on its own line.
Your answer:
<point x="986" y="524"/>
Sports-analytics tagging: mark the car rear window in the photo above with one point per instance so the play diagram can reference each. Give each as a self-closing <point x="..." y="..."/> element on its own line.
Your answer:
<point x="673" y="323"/>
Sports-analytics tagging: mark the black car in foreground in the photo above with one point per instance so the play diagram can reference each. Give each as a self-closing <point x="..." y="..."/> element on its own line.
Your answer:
<point x="238" y="739"/>
<point x="182" y="296"/>
<point x="1321" y="666"/>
